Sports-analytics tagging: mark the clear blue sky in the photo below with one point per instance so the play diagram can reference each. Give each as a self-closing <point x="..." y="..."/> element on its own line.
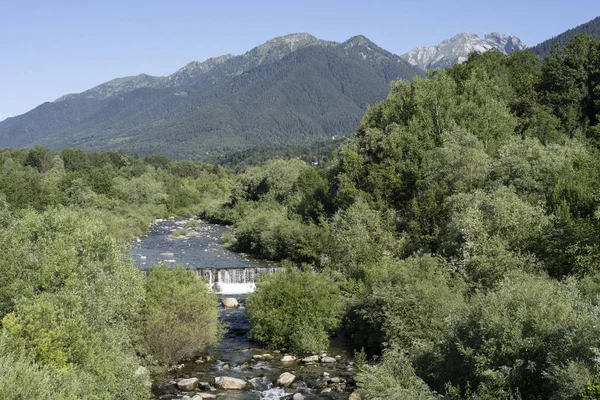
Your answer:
<point x="53" y="47"/>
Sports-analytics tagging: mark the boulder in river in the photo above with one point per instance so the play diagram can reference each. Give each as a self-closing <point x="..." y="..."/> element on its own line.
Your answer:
<point x="298" y="396"/>
<point x="230" y="302"/>
<point x="229" y="383"/>
<point x="328" y="360"/>
<point x="308" y="359"/>
<point x="187" y="384"/>
<point x="288" y="358"/>
<point x="285" y="379"/>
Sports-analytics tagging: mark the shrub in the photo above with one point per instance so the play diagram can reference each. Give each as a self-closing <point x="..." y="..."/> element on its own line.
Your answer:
<point x="296" y="310"/>
<point x="180" y="314"/>
<point x="532" y="334"/>
<point x="411" y="305"/>
<point x="392" y="379"/>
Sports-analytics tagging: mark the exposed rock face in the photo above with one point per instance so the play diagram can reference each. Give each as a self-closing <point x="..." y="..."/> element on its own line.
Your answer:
<point x="457" y="49"/>
<point x="285" y="379"/>
<point x="229" y="383"/>
<point x="230" y="302"/>
<point x="187" y="384"/>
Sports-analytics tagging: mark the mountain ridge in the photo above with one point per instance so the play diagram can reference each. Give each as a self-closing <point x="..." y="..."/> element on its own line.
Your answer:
<point x="457" y="49"/>
<point x="293" y="89"/>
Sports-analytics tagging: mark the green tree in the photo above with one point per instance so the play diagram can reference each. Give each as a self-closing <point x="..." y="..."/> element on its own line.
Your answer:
<point x="295" y="309"/>
<point x="179" y="318"/>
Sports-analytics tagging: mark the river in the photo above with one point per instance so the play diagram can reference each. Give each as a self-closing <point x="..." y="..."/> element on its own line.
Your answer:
<point x="197" y="245"/>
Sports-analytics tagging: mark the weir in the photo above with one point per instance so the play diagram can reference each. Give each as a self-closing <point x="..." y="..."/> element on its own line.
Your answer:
<point x="234" y="280"/>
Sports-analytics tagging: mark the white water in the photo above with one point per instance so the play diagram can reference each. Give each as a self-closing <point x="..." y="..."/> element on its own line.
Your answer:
<point x="234" y="280"/>
<point x="266" y="390"/>
<point x="234" y="288"/>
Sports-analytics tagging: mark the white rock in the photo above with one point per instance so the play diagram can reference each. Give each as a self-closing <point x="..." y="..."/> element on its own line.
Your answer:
<point x="187" y="384"/>
<point x="288" y="358"/>
<point x="230" y="302"/>
<point x="328" y="360"/>
<point x="285" y="379"/>
<point x="229" y="383"/>
<point x="298" y="396"/>
<point x="308" y="359"/>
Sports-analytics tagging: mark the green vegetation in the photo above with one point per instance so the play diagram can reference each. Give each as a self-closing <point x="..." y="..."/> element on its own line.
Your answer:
<point x="180" y="314"/>
<point x="589" y="28"/>
<point x="296" y="310"/>
<point x="74" y="311"/>
<point x="461" y="225"/>
<point x="454" y="239"/>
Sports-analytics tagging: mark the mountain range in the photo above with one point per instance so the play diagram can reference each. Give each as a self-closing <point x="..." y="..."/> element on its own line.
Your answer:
<point x="291" y="90"/>
<point x="294" y="89"/>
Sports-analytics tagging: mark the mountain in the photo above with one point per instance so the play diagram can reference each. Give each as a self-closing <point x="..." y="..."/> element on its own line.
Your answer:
<point x="458" y="48"/>
<point x="591" y="28"/>
<point x="294" y="89"/>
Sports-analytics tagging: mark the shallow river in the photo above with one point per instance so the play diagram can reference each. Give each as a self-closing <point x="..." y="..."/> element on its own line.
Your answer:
<point x="233" y="274"/>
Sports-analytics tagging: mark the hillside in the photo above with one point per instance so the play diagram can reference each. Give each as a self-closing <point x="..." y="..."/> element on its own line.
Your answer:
<point x="591" y="28"/>
<point x="295" y="89"/>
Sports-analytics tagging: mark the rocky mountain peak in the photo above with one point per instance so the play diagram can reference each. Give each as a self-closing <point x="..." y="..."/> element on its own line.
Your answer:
<point x="457" y="49"/>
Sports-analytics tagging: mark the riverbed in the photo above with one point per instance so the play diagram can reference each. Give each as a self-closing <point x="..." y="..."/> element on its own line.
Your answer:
<point x="237" y="355"/>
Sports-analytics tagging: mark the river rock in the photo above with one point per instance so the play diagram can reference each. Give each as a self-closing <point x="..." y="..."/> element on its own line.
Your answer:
<point x="298" y="396"/>
<point x="257" y="357"/>
<point x="285" y="379"/>
<point x="308" y="359"/>
<point x="201" y="396"/>
<point x="288" y="358"/>
<point x="328" y="360"/>
<point x="229" y="383"/>
<point x="230" y="302"/>
<point x="204" y="386"/>
<point x="187" y="384"/>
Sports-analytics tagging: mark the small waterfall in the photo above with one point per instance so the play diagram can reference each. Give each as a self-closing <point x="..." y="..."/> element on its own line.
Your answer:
<point x="234" y="280"/>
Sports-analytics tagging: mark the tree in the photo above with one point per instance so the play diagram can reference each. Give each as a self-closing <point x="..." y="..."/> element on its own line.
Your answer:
<point x="179" y="317"/>
<point x="296" y="310"/>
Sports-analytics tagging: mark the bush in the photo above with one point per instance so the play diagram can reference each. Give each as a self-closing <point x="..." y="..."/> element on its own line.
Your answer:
<point x="296" y="310"/>
<point x="180" y="314"/>
<point x="411" y="305"/>
<point x="532" y="334"/>
<point x="393" y="379"/>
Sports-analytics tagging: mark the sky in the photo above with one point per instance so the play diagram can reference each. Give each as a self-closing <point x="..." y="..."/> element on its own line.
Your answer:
<point x="54" y="47"/>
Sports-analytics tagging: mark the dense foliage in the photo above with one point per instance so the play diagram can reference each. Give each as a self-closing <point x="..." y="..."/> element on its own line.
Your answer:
<point x="462" y="226"/>
<point x="296" y="310"/>
<point x="180" y="314"/>
<point x="75" y="313"/>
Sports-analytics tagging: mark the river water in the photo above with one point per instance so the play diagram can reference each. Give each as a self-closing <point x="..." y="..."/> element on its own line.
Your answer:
<point x="233" y="274"/>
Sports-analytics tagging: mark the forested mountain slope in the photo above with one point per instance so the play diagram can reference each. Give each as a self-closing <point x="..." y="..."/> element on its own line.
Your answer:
<point x="294" y="89"/>
<point x="591" y="28"/>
